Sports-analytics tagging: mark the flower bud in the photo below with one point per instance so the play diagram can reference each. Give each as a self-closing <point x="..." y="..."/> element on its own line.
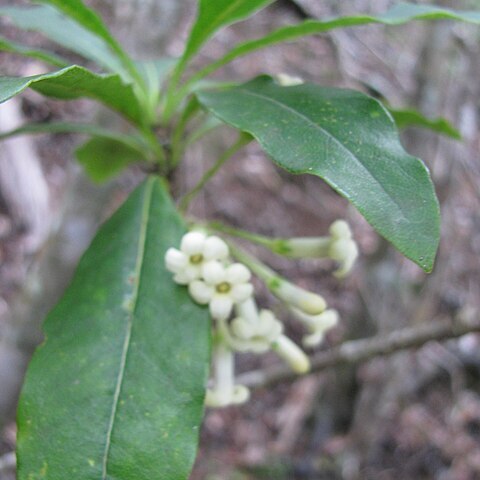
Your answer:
<point x="297" y="297"/>
<point x="286" y="80"/>
<point x="292" y="354"/>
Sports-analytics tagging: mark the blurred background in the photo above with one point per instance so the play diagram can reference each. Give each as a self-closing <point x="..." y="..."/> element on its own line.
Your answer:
<point x="411" y="415"/>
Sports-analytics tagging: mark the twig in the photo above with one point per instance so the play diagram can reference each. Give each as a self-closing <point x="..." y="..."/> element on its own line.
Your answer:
<point x="357" y="351"/>
<point x="8" y="461"/>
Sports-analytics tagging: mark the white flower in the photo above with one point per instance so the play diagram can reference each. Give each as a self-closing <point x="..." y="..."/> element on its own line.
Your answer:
<point x="286" y="80"/>
<point x="253" y="331"/>
<point x="222" y="287"/>
<point x="292" y="354"/>
<point x="339" y="246"/>
<point x="224" y="391"/>
<point x="343" y="249"/>
<point x="195" y="250"/>
<point x="318" y="325"/>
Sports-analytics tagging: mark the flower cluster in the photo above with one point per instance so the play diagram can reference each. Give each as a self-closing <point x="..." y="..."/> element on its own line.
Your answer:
<point x="203" y="264"/>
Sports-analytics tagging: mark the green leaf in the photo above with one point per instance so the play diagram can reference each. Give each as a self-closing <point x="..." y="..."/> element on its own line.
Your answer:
<point x="214" y="15"/>
<point x="47" y="57"/>
<point x="397" y="15"/>
<point x="117" y="389"/>
<point x="92" y="22"/>
<point x="66" y="32"/>
<point x="76" y="82"/>
<point x="413" y="118"/>
<point x="349" y="140"/>
<point x="133" y="141"/>
<point x="103" y="158"/>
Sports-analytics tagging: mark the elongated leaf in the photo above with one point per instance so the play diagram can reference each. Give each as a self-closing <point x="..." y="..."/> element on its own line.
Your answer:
<point x="413" y="118"/>
<point x="103" y="158"/>
<point x="349" y="140"/>
<point x="397" y="15"/>
<point x="117" y="389"/>
<point x="76" y="82"/>
<point x="48" y="57"/>
<point x="133" y="141"/>
<point x="66" y="32"/>
<point x="91" y="21"/>
<point x="212" y="16"/>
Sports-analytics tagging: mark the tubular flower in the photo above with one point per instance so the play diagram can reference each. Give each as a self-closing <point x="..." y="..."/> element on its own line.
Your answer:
<point x="339" y="246"/>
<point x="224" y="391"/>
<point x="343" y="249"/>
<point x="252" y="330"/>
<point x="196" y="249"/>
<point x="317" y="325"/>
<point x="222" y="287"/>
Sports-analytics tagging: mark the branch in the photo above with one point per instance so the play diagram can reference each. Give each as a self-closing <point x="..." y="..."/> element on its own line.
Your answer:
<point x="358" y="351"/>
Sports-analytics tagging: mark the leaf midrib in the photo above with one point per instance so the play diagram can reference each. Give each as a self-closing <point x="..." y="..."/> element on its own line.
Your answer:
<point x="328" y="135"/>
<point x="132" y="309"/>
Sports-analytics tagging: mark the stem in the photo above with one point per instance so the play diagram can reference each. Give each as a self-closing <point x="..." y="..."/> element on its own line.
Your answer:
<point x="171" y="97"/>
<point x="239" y="144"/>
<point x="294" y="296"/>
<point x="177" y="147"/>
<point x="237" y="232"/>
<point x="299" y="247"/>
<point x="266" y="274"/>
<point x="152" y="141"/>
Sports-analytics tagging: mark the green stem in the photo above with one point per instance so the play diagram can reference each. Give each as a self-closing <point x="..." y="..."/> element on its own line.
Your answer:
<point x="178" y="147"/>
<point x="266" y="274"/>
<point x="250" y="236"/>
<point x="171" y="99"/>
<point x="155" y="146"/>
<point x="239" y="144"/>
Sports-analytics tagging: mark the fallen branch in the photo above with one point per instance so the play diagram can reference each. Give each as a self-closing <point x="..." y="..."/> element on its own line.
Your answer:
<point x="358" y="351"/>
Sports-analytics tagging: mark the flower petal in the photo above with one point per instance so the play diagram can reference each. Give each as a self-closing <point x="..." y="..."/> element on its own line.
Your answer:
<point x="213" y="272"/>
<point x="181" y="278"/>
<point x="215" y="248"/>
<point x="221" y="306"/>
<point x="193" y="243"/>
<point x="241" y="292"/>
<point x="200" y="292"/>
<point x="248" y="310"/>
<point x="193" y="272"/>
<point x="340" y="229"/>
<point x="175" y="260"/>
<point x="238" y="273"/>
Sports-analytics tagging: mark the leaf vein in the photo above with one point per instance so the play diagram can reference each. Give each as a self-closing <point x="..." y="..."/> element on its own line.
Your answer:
<point x="331" y="137"/>
<point x="128" y="333"/>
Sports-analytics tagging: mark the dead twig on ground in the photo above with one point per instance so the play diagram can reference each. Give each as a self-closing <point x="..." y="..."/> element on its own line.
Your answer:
<point x="357" y="351"/>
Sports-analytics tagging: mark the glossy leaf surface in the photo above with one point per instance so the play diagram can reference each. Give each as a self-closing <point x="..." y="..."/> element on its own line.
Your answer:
<point x="117" y="389"/>
<point x="349" y="140"/>
<point x="76" y="82"/>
